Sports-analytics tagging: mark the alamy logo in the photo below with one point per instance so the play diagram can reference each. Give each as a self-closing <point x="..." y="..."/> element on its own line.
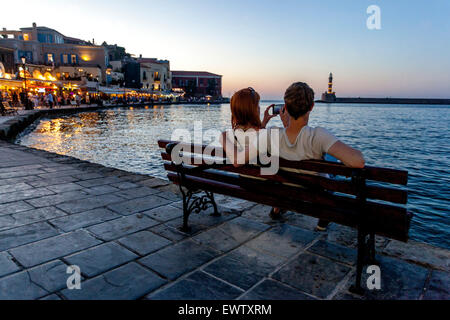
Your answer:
<point x="242" y="147"/>
<point x="374" y="20"/>
<point x="74" y="281"/>
<point x="374" y="280"/>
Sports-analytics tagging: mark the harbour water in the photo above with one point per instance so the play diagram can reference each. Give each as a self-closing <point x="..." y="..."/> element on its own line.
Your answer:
<point x="409" y="137"/>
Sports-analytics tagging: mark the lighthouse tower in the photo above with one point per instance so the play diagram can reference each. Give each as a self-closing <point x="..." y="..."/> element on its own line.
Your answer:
<point x="329" y="96"/>
<point x="330" y="84"/>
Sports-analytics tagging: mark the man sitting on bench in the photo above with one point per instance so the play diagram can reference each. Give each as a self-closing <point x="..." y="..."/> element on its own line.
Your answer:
<point x="298" y="141"/>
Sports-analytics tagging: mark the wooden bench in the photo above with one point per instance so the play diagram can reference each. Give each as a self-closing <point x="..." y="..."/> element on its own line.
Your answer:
<point x="370" y="199"/>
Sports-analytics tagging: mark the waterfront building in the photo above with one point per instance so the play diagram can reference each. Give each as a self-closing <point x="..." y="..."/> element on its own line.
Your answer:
<point x="155" y="74"/>
<point x="7" y="64"/>
<point x="69" y="59"/>
<point x="132" y="73"/>
<point x="198" y="83"/>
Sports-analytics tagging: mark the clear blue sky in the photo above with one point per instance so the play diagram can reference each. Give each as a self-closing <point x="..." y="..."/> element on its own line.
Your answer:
<point x="269" y="44"/>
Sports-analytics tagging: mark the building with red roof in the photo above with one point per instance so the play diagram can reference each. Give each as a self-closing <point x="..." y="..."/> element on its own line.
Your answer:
<point x="198" y="83"/>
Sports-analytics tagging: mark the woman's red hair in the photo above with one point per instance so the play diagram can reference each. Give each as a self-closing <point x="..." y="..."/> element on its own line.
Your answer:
<point x="244" y="109"/>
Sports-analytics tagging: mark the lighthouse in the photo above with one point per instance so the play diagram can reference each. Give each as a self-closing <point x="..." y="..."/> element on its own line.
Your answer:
<point x="330" y="84"/>
<point x="329" y="96"/>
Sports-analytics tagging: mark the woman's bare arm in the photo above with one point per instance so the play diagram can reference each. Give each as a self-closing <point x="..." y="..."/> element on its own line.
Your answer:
<point x="350" y="157"/>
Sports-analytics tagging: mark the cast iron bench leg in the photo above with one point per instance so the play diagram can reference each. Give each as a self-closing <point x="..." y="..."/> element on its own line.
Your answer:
<point x="356" y="288"/>
<point x="194" y="203"/>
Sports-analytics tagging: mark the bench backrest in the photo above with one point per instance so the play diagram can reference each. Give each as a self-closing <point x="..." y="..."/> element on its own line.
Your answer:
<point x="373" y="195"/>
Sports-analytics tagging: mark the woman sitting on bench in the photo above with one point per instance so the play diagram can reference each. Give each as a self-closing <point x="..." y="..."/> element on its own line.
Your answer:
<point x="297" y="141"/>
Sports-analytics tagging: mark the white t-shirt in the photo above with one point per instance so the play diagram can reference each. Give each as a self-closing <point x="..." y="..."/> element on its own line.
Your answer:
<point x="311" y="143"/>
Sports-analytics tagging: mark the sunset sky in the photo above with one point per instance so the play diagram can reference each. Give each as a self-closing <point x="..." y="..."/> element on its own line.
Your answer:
<point x="269" y="44"/>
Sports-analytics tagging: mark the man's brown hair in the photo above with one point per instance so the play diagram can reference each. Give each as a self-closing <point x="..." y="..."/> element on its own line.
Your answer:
<point x="299" y="99"/>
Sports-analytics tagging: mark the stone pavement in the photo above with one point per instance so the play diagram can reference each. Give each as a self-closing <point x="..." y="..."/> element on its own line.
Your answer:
<point x="121" y="230"/>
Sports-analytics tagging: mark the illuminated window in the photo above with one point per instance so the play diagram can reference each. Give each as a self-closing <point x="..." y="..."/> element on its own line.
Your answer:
<point x="65" y="59"/>
<point x="73" y="59"/>
<point x="26" y="37"/>
<point x="50" y="58"/>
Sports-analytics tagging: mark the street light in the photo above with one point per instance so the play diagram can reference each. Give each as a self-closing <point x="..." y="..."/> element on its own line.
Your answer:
<point x="27" y="105"/>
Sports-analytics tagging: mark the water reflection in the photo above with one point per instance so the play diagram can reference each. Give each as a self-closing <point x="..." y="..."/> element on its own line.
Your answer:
<point x="414" y="138"/>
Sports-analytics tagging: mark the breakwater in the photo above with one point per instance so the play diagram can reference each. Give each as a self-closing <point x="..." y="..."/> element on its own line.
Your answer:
<point x="388" y="101"/>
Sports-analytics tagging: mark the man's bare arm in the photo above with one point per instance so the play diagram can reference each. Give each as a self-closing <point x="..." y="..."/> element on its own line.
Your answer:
<point x="350" y="157"/>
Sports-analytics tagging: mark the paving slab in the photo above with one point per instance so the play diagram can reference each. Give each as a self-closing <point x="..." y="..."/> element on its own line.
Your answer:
<point x="144" y="242"/>
<point x="198" y="286"/>
<point x="60" y="173"/>
<point x="259" y="213"/>
<point x="123" y="226"/>
<point x="84" y="219"/>
<point x="396" y="280"/>
<point x="64" y="187"/>
<point x="241" y="229"/>
<point x="420" y="253"/>
<point x="174" y="261"/>
<point x="88" y="176"/>
<point x="21" y="173"/>
<point x="18" y="286"/>
<point x="20" y="168"/>
<point x="99" y="190"/>
<point x="138" y="205"/>
<point x="335" y="252"/>
<point x="247" y="267"/>
<point x="98" y="182"/>
<point x="12" y="238"/>
<point x="25" y="194"/>
<point x="128" y="282"/>
<point x="14" y="188"/>
<point x="154" y="182"/>
<point x="438" y="287"/>
<point x="51" y="276"/>
<point x="27" y="179"/>
<point x="273" y="290"/>
<point x="218" y="239"/>
<point x="164" y="213"/>
<point x="342" y="235"/>
<point x="283" y="240"/>
<point x="124" y="185"/>
<point x="168" y="232"/>
<point x="7" y="264"/>
<point x="51" y="297"/>
<point x="99" y="259"/>
<point x="14" y="207"/>
<point x="53" y="248"/>
<point x="312" y="274"/>
<point x="76" y="206"/>
<point x="136" y="193"/>
<point x="302" y="221"/>
<point x="169" y="195"/>
<point x="51" y="182"/>
<point x="28" y="217"/>
<point x="58" y="198"/>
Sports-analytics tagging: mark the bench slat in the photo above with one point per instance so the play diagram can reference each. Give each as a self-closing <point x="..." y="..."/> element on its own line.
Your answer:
<point x="372" y="173"/>
<point x="385" y="223"/>
<point x="380" y="193"/>
<point x="304" y="194"/>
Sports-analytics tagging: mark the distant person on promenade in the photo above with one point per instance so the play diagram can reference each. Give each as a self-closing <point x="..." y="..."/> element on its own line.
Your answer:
<point x="78" y="100"/>
<point x="297" y="140"/>
<point x="49" y="99"/>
